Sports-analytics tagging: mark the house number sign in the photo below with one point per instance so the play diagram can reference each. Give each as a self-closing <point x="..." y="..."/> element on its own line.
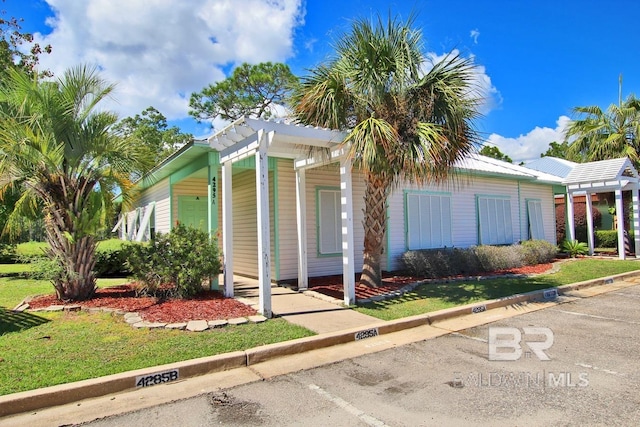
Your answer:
<point x="367" y="333"/>
<point x="155" y="379"/>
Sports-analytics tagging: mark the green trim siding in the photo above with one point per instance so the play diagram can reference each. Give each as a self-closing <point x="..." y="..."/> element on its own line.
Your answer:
<point x="318" y="253"/>
<point x="196" y="165"/>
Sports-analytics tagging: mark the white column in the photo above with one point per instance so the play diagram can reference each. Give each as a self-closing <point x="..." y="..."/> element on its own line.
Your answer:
<point x="571" y="225"/>
<point x="636" y="220"/>
<point x="264" y="240"/>
<point x="227" y="225"/>
<point x="301" y="217"/>
<point x="620" y="217"/>
<point x="346" y="202"/>
<point x="589" y="223"/>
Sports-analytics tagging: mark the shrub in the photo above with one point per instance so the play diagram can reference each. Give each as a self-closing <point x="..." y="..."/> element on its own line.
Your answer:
<point x="31" y="250"/>
<point x="111" y="258"/>
<point x="184" y="258"/>
<point x="434" y="263"/>
<point x="580" y="217"/>
<point x="494" y="258"/>
<point x="606" y="238"/>
<point x="538" y="252"/>
<point x="575" y="248"/>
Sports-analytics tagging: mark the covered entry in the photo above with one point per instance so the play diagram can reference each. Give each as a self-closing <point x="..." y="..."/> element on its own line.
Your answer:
<point x="605" y="176"/>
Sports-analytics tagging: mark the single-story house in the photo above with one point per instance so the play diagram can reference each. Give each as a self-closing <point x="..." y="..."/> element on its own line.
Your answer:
<point x="283" y="212"/>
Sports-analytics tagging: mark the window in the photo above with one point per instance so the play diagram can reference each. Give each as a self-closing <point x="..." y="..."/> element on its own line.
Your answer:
<point x="329" y="221"/>
<point x="428" y="220"/>
<point x="494" y="220"/>
<point x="534" y="214"/>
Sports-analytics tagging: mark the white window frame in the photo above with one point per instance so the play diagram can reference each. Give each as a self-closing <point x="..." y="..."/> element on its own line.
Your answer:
<point x="329" y="222"/>
<point x="495" y="223"/>
<point x="428" y="220"/>
<point x="534" y="219"/>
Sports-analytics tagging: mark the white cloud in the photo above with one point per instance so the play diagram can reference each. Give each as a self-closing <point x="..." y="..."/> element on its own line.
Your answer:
<point x="531" y="145"/>
<point x="483" y="88"/>
<point x="160" y="51"/>
<point x="474" y="34"/>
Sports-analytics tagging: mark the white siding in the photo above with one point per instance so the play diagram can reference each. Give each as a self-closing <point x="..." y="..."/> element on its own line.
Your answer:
<point x="160" y="194"/>
<point x="328" y="176"/>
<point x="287" y="231"/>
<point x="544" y="193"/>
<point x="245" y="223"/>
<point x="464" y="211"/>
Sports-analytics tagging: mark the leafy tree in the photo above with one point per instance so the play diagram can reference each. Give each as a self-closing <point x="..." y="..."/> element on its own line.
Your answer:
<point x="252" y="90"/>
<point x="559" y="150"/>
<point x="403" y="123"/>
<point x="151" y="131"/>
<point x="11" y="40"/>
<point x="494" y="152"/>
<point x="56" y="149"/>
<point x="601" y="135"/>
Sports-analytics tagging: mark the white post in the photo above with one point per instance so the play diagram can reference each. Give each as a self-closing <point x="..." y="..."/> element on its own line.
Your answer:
<point x="346" y="202"/>
<point x="571" y="225"/>
<point x="620" y="217"/>
<point x="636" y="220"/>
<point x="227" y="225"/>
<point x="301" y="217"/>
<point x="264" y="242"/>
<point x="589" y="223"/>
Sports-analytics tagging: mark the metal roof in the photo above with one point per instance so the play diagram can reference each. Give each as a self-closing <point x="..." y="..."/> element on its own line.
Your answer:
<point x="488" y="165"/>
<point x="603" y="170"/>
<point x="552" y="166"/>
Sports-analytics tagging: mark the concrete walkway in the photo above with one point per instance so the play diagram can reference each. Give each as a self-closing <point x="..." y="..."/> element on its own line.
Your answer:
<point x="304" y="310"/>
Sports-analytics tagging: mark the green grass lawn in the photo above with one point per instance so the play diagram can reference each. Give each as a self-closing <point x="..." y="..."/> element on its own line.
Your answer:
<point x="43" y="349"/>
<point x="432" y="297"/>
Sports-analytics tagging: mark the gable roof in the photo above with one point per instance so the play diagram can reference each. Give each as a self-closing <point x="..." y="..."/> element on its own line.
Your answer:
<point x="488" y="165"/>
<point x="602" y="176"/>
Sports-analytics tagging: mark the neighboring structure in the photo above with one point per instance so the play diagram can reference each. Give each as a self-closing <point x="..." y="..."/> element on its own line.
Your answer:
<point x="605" y="176"/>
<point x="286" y="211"/>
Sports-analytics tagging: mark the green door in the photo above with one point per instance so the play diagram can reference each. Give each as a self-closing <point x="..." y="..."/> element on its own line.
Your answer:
<point x="192" y="211"/>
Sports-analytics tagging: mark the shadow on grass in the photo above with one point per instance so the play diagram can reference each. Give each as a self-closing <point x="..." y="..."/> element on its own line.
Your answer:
<point x="11" y="321"/>
<point x="464" y="292"/>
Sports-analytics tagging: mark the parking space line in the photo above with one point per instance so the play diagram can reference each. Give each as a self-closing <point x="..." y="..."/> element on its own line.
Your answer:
<point x="458" y="334"/>
<point x="367" y="419"/>
<point x="593" y="316"/>
<point x="595" y="368"/>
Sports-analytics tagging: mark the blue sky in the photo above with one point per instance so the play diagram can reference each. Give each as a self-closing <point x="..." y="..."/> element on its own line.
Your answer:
<point x="536" y="59"/>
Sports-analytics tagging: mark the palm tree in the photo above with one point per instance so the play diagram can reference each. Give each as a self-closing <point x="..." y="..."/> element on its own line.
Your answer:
<point x="404" y="124"/>
<point x="56" y="149"/>
<point x="602" y="135"/>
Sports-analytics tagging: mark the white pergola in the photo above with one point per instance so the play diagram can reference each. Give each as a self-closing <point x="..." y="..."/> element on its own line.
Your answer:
<point x="615" y="175"/>
<point x="262" y="139"/>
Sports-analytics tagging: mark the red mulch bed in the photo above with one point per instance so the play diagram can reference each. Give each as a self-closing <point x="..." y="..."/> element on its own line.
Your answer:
<point x="212" y="305"/>
<point x="333" y="286"/>
<point x="209" y="305"/>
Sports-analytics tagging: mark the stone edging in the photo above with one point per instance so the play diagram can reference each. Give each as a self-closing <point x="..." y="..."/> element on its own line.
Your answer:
<point x="137" y="322"/>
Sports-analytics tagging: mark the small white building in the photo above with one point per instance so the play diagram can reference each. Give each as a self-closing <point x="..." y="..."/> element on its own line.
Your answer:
<point x="284" y="214"/>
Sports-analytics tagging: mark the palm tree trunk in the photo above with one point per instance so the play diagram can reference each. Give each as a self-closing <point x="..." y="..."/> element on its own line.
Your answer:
<point x="375" y="217"/>
<point x="74" y="279"/>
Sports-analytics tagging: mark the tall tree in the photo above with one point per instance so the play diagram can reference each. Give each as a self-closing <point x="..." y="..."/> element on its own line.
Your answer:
<point x="252" y="90"/>
<point x="151" y="131"/>
<point x="494" y="152"/>
<point x="403" y="123"/>
<point x="12" y="42"/>
<point x="57" y="149"/>
<point x="601" y="135"/>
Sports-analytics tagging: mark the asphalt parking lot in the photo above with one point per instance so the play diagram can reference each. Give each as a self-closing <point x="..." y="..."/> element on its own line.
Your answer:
<point x="590" y="379"/>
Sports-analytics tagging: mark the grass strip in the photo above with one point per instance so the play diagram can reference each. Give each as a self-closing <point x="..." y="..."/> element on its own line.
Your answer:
<point x="432" y="297"/>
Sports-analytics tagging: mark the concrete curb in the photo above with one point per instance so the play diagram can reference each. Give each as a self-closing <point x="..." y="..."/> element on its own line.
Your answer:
<point x="32" y="400"/>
